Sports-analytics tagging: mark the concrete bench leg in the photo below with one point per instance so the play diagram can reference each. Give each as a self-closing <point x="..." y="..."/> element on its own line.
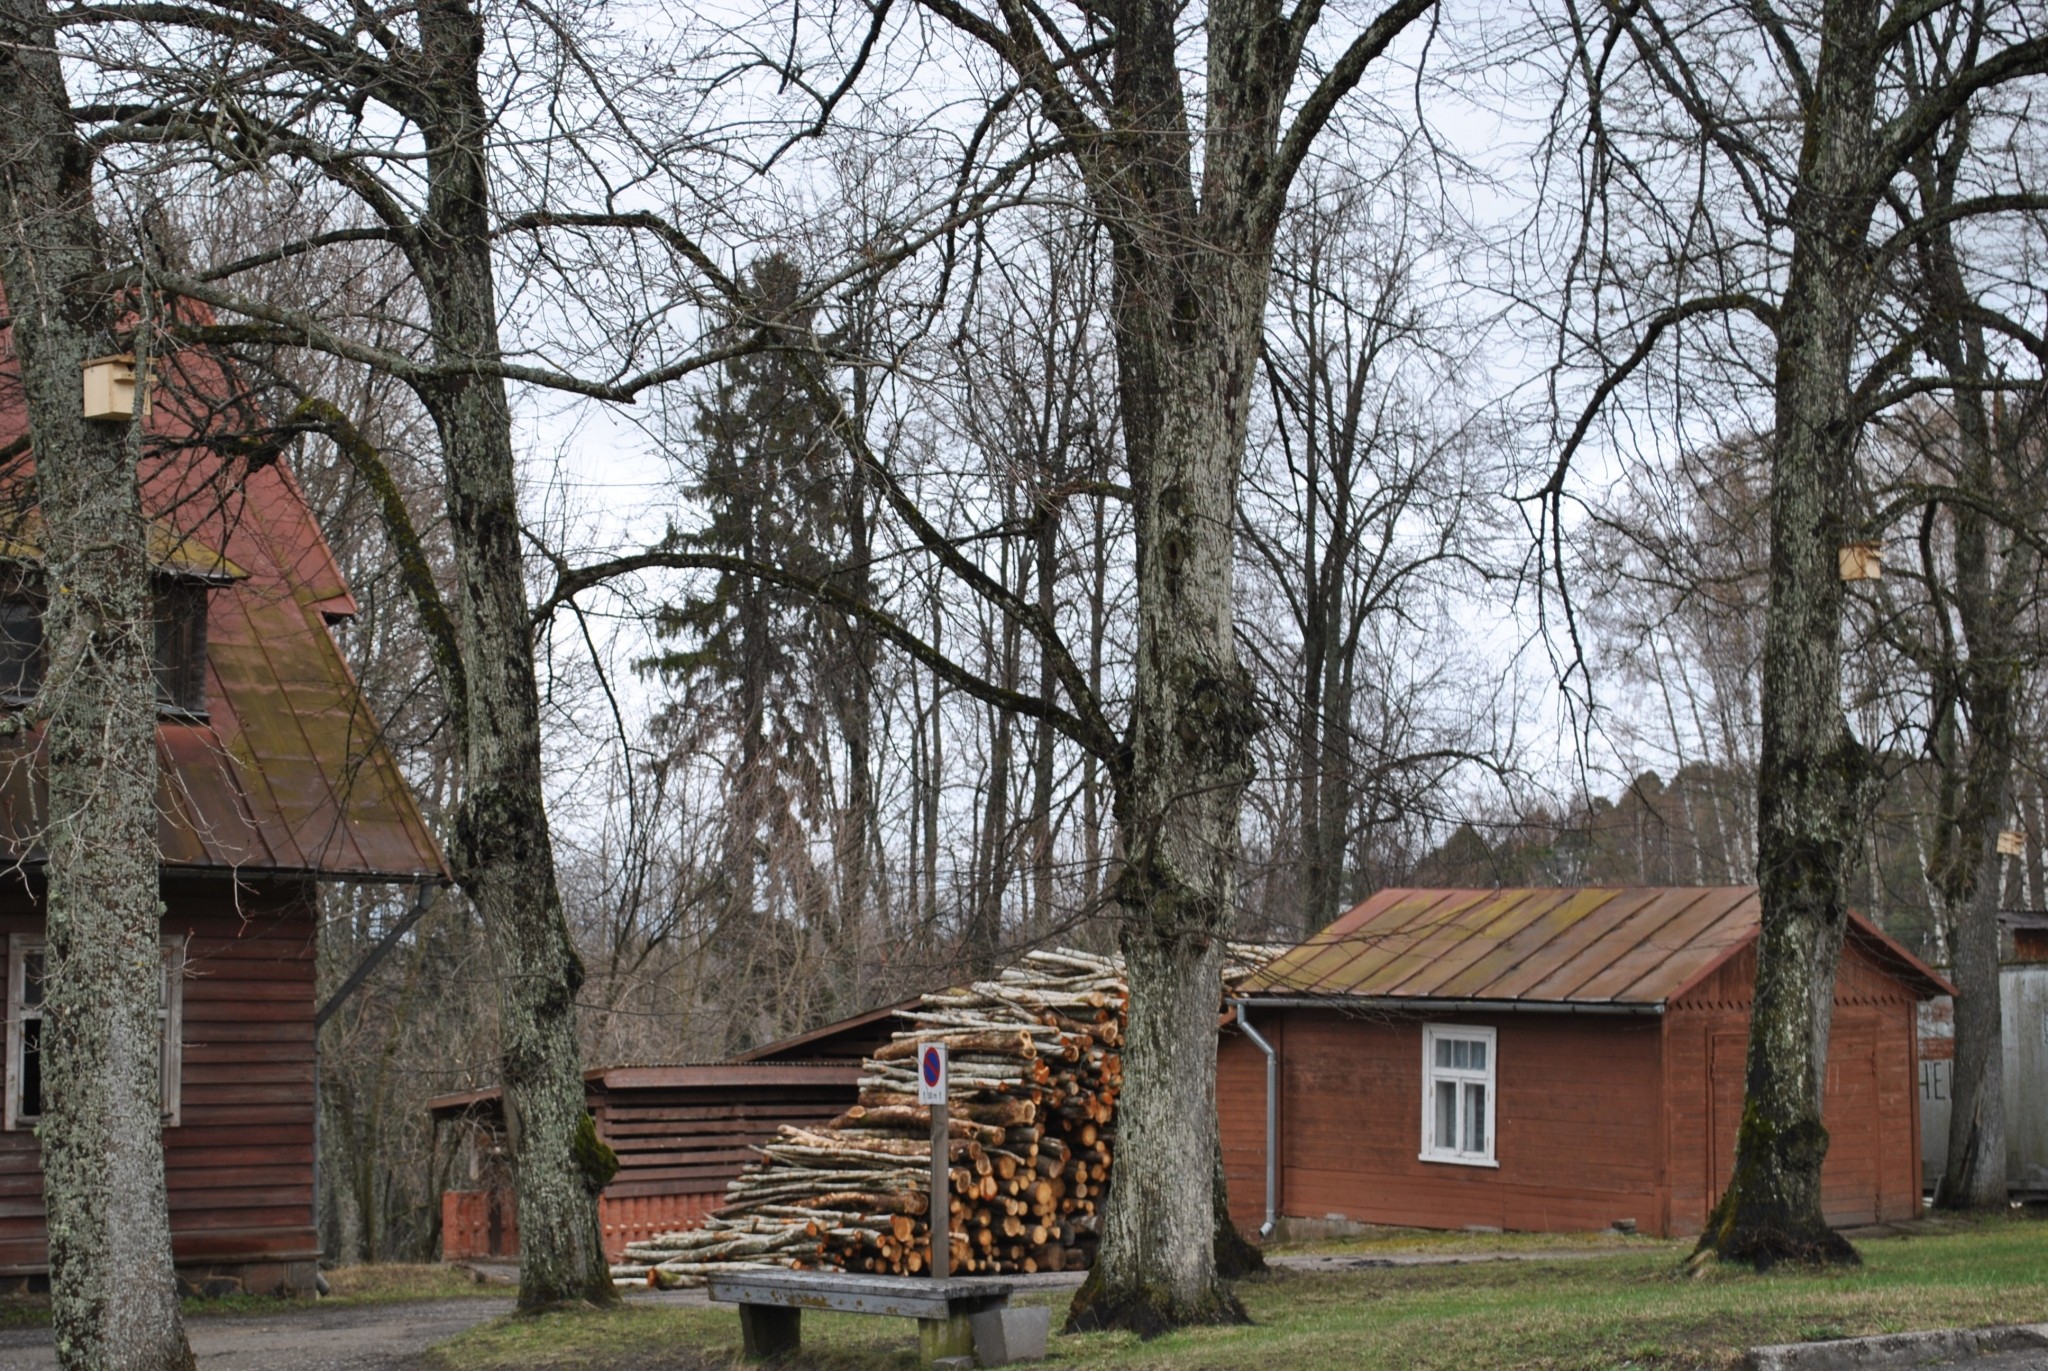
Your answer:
<point x="1006" y="1335"/>
<point x="769" y="1330"/>
<point x="951" y="1337"/>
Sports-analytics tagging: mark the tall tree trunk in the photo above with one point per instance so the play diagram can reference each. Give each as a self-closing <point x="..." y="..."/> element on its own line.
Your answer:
<point x="1987" y="680"/>
<point x="114" y="1297"/>
<point x="1812" y="769"/>
<point x="1093" y="876"/>
<point x="998" y="855"/>
<point x="1975" y="1174"/>
<point x="505" y="859"/>
<point x="1188" y="327"/>
<point x="1042" y="743"/>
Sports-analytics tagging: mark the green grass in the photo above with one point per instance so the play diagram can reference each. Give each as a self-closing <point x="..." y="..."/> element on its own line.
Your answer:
<point x="390" y="1281"/>
<point x="1599" y="1313"/>
<point x="1373" y="1241"/>
<point x="384" y="1284"/>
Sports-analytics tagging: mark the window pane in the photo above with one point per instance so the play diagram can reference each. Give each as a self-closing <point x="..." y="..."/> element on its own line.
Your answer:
<point x="1475" y="1119"/>
<point x="21" y="648"/>
<point x="1446" y="1138"/>
<point x="180" y="613"/>
<point x="31" y="1068"/>
<point x="1475" y="1055"/>
<point x="1446" y="1051"/>
<point x="31" y="980"/>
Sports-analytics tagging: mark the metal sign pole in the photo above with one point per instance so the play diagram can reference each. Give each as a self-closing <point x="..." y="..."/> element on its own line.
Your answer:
<point x="931" y="1092"/>
<point x="941" y="1220"/>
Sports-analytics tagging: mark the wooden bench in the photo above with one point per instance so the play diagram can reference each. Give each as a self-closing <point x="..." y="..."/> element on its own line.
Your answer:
<point x="772" y="1305"/>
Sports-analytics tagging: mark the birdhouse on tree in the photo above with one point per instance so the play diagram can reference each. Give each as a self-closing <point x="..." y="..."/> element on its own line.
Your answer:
<point x="110" y="388"/>
<point x="1861" y="561"/>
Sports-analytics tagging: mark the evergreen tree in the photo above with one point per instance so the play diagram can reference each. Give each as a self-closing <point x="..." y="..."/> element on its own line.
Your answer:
<point x="753" y="658"/>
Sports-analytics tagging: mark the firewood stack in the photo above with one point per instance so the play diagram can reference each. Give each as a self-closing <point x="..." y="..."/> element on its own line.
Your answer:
<point x="1035" y="1067"/>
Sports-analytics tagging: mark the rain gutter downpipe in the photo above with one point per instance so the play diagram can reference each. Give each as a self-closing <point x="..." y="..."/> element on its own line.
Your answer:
<point x="1272" y="1116"/>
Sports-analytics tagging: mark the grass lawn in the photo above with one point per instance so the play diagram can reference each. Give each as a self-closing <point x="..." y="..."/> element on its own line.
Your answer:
<point x="1627" y="1309"/>
<point x="1371" y="1240"/>
<point x="349" y="1284"/>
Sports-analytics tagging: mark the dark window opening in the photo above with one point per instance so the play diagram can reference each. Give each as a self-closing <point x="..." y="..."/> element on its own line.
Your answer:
<point x="178" y="647"/>
<point x="180" y="613"/>
<point x="21" y="647"/>
<point x="30" y="1104"/>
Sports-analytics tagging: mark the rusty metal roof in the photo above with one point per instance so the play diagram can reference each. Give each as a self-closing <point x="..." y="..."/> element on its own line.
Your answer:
<point x="171" y="550"/>
<point x="680" y="1076"/>
<point x="288" y="770"/>
<point x="852" y="1036"/>
<point x="1638" y="945"/>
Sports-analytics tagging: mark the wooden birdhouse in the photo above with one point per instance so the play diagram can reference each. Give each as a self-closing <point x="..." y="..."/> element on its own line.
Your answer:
<point x="110" y="388"/>
<point x="2012" y="843"/>
<point x="1863" y="561"/>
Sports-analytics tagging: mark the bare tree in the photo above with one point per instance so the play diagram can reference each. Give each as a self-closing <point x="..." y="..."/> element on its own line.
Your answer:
<point x="1785" y="229"/>
<point x="1360" y="515"/>
<point x="113" y="1292"/>
<point x="424" y="66"/>
<point x="1190" y="197"/>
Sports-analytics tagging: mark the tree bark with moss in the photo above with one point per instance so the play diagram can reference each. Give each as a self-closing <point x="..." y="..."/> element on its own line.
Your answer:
<point x="1813" y="770"/>
<point x="113" y="1290"/>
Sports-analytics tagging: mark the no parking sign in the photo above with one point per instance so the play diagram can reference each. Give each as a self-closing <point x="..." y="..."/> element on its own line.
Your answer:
<point x="931" y="1073"/>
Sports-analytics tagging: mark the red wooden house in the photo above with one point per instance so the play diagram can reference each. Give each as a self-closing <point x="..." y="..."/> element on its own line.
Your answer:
<point x="272" y="778"/>
<point x="1548" y="1060"/>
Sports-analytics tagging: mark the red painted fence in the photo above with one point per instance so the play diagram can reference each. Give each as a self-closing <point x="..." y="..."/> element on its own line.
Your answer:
<point x="485" y="1223"/>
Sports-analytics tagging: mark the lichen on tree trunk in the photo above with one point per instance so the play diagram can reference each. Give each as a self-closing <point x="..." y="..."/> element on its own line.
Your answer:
<point x="504" y="856"/>
<point x="1188" y="327"/>
<point x="1812" y="770"/>
<point x="1972" y="738"/>
<point x="1974" y="1176"/>
<point x="114" y="1297"/>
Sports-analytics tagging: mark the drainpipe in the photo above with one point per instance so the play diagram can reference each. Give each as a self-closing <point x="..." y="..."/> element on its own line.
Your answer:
<point x="1272" y="1118"/>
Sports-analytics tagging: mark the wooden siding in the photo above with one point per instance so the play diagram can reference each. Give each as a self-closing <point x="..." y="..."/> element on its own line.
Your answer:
<point x="1871" y="1108"/>
<point x="239" y="1165"/>
<point x="684" y="1141"/>
<point x="680" y="1134"/>
<point x="1580" y="1136"/>
<point x="1241" y="1116"/>
<point x="1598" y="1118"/>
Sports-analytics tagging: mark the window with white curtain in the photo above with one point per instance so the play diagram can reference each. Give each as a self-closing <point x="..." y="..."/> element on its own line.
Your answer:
<point x="1458" y="1069"/>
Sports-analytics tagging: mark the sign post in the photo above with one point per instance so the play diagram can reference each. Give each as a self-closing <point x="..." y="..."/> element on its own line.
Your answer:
<point x="931" y="1091"/>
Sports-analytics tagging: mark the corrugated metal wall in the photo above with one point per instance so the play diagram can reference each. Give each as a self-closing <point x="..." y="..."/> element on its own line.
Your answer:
<point x="2023" y="998"/>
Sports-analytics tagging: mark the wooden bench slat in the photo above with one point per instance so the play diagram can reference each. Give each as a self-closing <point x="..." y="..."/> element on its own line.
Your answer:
<point x="899" y="1296"/>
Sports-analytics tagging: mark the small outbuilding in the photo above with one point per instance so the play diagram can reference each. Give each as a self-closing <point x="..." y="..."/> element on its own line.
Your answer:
<point x="1547" y="1060"/>
<point x="680" y="1131"/>
<point x="2023" y="1013"/>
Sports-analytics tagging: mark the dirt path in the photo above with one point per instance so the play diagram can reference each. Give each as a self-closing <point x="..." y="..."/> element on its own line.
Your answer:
<point x="364" y="1337"/>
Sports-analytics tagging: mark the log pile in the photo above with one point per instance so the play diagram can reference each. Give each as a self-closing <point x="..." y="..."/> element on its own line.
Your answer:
<point x="1035" y="1068"/>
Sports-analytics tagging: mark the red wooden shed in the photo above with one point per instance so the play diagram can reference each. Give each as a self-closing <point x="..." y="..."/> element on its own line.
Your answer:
<point x="1548" y="1060"/>
<point x="272" y="777"/>
<point x="680" y="1132"/>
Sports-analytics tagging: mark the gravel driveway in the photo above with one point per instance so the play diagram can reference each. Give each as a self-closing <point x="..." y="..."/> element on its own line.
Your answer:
<point x="363" y="1337"/>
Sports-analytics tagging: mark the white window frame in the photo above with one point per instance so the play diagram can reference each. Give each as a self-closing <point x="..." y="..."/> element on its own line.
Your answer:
<point x="1432" y="1034"/>
<point x="171" y="1013"/>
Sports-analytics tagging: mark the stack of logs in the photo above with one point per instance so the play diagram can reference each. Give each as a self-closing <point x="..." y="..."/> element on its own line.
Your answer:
<point x="1035" y="1067"/>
